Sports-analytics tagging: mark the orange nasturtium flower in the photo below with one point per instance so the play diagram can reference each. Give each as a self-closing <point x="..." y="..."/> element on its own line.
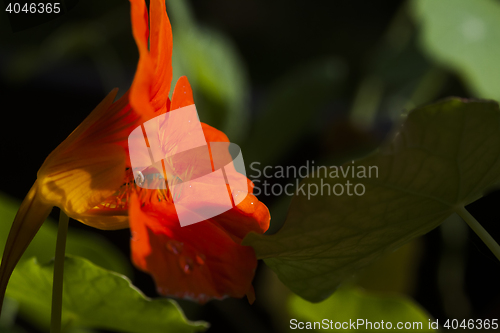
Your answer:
<point x="89" y="177"/>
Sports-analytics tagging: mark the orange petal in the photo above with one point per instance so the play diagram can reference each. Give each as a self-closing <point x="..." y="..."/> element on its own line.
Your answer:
<point x="213" y="135"/>
<point x="78" y="180"/>
<point x="140" y="90"/>
<point x="28" y="220"/>
<point x="89" y="166"/>
<point x="161" y="53"/>
<point x="114" y="125"/>
<point x="197" y="262"/>
<point x="140" y="26"/>
<point x="151" y="85"/>
<point x="104" y="220"/>
<point x="182" y="95"/>
<point x="239" y="221"/>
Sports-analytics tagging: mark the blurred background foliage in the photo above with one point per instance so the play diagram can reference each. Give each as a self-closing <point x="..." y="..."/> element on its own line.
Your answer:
<point x="289" y="82"/>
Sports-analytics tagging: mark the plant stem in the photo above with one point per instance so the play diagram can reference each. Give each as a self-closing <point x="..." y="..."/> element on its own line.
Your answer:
<point x="57" y="287"/>
<point x="480" y="231"/>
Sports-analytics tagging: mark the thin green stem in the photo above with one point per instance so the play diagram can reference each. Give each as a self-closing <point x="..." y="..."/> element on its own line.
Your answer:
<point x="57" y="287"/>
<point x="480" y="231"/>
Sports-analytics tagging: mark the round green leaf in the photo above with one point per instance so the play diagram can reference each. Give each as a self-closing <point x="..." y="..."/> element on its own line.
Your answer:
<point x="444" y="157"/>
<point x="94" y="298"/>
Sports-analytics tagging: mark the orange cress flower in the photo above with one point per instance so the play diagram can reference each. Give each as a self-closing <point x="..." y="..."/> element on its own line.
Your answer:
<point x="88" y="176"/>
<point x="199" y="261"/>
<point x="84" y="173"/>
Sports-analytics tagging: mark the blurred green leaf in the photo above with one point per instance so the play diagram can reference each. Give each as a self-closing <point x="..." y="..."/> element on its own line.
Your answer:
<point x="294" y="103"/>
<point x="215" y="70"/>
<point x="351" y="304"/>
<point x="443" y="158"/>
<point x="463" y="35"/>
<point x="94" y="298"/>
<point x="85" y="244"/>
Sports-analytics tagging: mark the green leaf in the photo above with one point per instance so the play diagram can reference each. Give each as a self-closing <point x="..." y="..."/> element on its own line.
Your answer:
<point x="94" y="298"/>
<point x="463" y="36"/>
<point x="81" y="243"/>
<point x="219" y="81"/>
<point x="444" y="157"/>
<point x="352" y="304"/>
<point x="215" y="70"/>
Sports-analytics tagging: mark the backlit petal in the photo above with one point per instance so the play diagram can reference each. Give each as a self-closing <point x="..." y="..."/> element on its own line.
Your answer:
<point x="89" y="166"/>
<point x="182" y="95"/>
<point x="161" y="53"/>
<point x="199" y="262"/>
<point x="151" y="85"/>
<point x="79" y="180"/>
